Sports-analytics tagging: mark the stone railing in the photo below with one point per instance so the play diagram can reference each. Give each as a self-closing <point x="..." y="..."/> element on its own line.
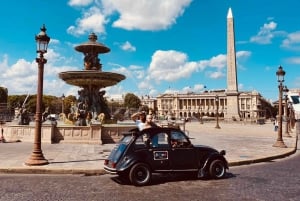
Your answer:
<point x="94" y="134"/>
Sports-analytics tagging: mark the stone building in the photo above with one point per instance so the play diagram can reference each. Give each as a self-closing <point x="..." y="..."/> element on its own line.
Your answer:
<point x="150" y="102"/>
<point x="251" y="105"/>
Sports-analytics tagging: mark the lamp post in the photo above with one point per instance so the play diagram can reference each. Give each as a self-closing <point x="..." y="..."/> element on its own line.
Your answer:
<point x="280" y="76"/>
<point x="290" y="107"/>
<point x="62" y="103"/>
<point x="217" y="113"/>
<point x="201" y="117"/>
<point x="37" y="157"/>
<point x="189" y="112"/>
<point x="201" y="120"/>
<point x="285" y="91"/>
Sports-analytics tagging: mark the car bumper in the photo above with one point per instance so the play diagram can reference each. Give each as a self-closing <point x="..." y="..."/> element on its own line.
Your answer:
<point x="110" y="170"/>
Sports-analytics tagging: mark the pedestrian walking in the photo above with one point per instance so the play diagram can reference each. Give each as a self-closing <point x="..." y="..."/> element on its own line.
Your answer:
<point x="275" y="125"/>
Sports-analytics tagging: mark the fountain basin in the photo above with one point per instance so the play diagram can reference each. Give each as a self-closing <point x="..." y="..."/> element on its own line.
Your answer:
<point x="91" y="78"/>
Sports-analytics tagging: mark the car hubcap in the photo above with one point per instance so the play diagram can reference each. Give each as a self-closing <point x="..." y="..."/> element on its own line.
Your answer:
<point x="219" y="170"/>
<point x="141" y="174"/>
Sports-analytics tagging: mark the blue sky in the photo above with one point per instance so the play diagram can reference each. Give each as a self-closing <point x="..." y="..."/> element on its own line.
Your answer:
<point x="160" y="46"/>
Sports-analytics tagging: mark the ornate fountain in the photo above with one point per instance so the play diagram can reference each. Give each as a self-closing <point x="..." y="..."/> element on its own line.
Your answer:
<point x="91" y="104"/>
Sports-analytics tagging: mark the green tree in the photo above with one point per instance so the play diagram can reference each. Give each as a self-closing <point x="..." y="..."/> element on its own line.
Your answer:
<point x="54" y="103"/>
<point x="132" y="101"/>
<point x="14" y="101"/>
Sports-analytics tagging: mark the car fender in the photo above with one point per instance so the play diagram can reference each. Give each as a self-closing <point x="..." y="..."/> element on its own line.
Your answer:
<point x="127" y="162"/>
<point x="212" y="157"/>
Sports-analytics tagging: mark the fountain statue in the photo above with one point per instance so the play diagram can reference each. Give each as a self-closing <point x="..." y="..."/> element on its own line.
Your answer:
<point x="91" y="103"/>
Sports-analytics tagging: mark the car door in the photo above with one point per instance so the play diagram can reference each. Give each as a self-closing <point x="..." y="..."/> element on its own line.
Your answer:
<point x="159" y="148"/>
<point x="182" y="153"/>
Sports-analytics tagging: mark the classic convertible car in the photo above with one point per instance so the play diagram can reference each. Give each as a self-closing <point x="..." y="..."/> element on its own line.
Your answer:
<point x="162" y="150"/>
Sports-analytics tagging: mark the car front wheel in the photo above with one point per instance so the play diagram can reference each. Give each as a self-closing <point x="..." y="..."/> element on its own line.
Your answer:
<point x="217" y="169"/>
<point x="140" y="174"/>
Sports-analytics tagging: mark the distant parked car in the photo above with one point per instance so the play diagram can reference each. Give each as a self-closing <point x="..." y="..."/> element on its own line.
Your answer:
<point x="162" y="150"/>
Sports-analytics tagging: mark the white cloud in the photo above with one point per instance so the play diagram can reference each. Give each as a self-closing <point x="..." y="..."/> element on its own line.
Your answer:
<point x="293" y="60"/>
<point x="145" y="14"/>
<point x="131" y="72"/>
<point x="21" y="77"/>
<point x="292" y="41"/>
<point x="54" y="41"/>
<point x="218" y="61"/>
<point x="199" y="87"/>
<point x="127" y="46"/>
<point x="115" y="92"/>
<point x="19" y="69"/>
<point x="173" y="65"/>
<point x="93" y="20"/>
<point x="265" y="34"/>
<point x="80" y="2"/>
<point x="133" y="15"/>
<point x="187" y="89"/>
<point x="153" y="92"/>
<point x="216" y="75"/>
<point x="243" y="54"/>
<point x="145" y="86"/>
<point x="170" y="66"/>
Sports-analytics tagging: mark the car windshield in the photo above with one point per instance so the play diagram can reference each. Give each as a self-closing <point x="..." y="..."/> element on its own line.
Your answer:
<point x="126" y="139"/>
<point x="117" y="152"/>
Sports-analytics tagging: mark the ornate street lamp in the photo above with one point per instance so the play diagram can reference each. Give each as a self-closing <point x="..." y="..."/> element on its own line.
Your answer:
<point x="217" y="114"/>
<point x="37" y="157"/>
<point x="280" y="77"/>
<point x="62" y="103"/>
<point x="285" y="91"/>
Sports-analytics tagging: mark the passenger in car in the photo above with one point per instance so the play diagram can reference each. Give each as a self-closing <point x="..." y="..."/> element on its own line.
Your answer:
<point x="140" y="119"/>
<point x="174" y="143"/>
<point x="149" y="122"/>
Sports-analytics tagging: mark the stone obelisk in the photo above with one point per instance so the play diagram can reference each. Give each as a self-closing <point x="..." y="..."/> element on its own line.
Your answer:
<point x="232" y="87"/>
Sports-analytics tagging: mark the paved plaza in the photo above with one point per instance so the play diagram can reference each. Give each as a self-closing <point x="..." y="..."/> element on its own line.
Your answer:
<point x="244" y="144"/>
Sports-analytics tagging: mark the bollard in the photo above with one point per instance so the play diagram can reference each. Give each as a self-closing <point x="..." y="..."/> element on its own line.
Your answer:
<point x="2" y="139"/>
<point x="297" y="132"/>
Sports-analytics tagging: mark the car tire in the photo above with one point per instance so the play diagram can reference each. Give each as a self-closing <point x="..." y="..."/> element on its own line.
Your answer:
<point x="217" y="169"/>
<point x="140" y="174"/>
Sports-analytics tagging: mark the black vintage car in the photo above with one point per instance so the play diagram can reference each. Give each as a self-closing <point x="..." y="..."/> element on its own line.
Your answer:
<point x="162" y="150"/>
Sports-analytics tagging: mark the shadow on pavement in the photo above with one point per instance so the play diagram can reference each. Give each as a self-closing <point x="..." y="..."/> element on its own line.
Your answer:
<point x="78" y="161"/>
<point x="158" y="179"/>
